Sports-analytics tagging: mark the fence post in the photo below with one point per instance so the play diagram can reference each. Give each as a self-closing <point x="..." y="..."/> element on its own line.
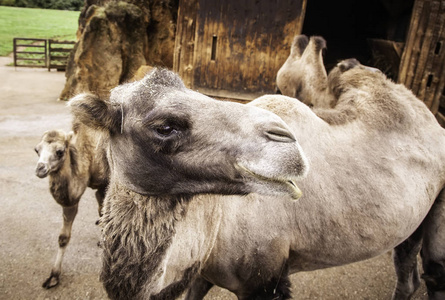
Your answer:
<point x="47" y="56"/>
<point x="15" y="52"/>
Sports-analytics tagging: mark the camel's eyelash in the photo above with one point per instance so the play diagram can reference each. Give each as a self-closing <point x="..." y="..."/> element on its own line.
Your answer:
<point x="153" y="120"/>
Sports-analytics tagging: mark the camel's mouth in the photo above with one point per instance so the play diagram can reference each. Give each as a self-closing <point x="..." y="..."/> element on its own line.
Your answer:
<point x="289" y="184"/>
<point x="41" y="171"/>
<point x="297" y="193"/>
<point x="41" y="174"/>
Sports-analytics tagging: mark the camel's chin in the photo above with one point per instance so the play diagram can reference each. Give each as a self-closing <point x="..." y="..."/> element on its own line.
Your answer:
<point x="41" y="174"/>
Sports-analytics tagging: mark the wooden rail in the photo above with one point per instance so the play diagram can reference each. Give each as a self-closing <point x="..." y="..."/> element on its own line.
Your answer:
<point x="30" y="52"/>
<point x="42" y="53"/>
<point x="58" y="53"/>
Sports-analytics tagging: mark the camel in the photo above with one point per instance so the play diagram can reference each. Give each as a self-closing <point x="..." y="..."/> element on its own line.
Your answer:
<point x="73" y="161"/>
<point x="303" y="75"/>
<point x="194" y="219"/>
<point x="166" y="144"/>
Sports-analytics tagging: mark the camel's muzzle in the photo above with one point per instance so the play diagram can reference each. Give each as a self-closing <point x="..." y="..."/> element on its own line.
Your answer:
<point x="42" y="170"/>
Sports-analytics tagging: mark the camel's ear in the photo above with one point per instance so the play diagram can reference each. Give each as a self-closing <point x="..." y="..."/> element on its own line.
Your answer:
<point x="348" y="64"/>
<point x="298" y="45"/>
<point x="69" y="137"/>
<point x="96" y="113"/>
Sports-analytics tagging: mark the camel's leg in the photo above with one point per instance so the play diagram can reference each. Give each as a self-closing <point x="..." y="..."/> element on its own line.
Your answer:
<point x="405" y="263"/>
<point x="100" y="196"/>
<point x="69" y="213"/>
<point x="198" y="289"/>
<point x="433" y="249"/>
<point x="275" y="289"/>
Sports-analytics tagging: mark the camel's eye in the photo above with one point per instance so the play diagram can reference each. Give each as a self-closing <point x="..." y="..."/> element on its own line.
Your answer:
<point x="60" y="153"/>
<point x="36" y="150"/>
<point x="165" y="130"/>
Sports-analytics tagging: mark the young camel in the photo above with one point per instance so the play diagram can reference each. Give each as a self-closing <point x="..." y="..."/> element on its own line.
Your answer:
<point x="375" y="183"/>
<point x="73" y="162"/>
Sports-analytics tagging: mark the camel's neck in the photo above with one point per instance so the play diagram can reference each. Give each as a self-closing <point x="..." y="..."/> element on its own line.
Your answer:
<point x="323" y="99"/>
<point x="60" y="180"/>
<point x="138" y="231"/>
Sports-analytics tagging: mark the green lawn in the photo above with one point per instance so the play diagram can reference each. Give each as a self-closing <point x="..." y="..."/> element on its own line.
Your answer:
<point x="35" y="23"/>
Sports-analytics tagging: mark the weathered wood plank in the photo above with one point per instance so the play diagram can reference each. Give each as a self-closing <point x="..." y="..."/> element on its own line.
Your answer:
<point x="185" y="40"/>
<point x="238" y="45"/>
<point x="407" y="62"/>
<point x="437" y="53"/>
<point x="422" y="67"/>
<point x="422" y="78"/>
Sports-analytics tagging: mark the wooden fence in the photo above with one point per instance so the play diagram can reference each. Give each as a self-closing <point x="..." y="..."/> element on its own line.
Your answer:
<point x="30" y="52"/>
<point x="58" y="53"/>
<point x="41" y="53"/>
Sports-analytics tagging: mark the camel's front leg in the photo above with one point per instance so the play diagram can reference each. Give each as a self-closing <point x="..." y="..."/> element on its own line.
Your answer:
<point x="69" y="213"/>
<point x="100" y="196"/>
<point x="198" y="289"/>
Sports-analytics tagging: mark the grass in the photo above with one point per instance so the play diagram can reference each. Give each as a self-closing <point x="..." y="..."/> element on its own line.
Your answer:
<point x="35" y="23"/>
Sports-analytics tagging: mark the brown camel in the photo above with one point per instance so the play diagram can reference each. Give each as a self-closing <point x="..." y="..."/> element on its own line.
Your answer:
<point x="73" y="162"/>
<point x="375" y="183"/>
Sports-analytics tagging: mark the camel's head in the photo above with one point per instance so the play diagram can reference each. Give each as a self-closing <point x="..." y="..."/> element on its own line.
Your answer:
<point x="303" y="75"/>
<point x="52" y="151"/>
<point x="165" y="139"/>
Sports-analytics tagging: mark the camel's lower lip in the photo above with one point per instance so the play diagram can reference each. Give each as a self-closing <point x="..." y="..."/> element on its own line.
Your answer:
<point x="41" y="174"/>
<point x="290" y="185"/>
<point x="296" y="192"/>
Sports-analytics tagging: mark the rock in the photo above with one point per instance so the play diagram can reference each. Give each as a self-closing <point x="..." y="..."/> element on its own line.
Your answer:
<point x="141" y="72"/>
<point x="115" y="38"/>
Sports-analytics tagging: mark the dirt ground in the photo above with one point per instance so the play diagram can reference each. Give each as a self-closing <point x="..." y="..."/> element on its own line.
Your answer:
<point x="30" y="219"/>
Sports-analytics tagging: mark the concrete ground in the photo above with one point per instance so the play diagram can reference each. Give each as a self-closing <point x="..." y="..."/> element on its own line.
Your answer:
<point x="30" y="219"/>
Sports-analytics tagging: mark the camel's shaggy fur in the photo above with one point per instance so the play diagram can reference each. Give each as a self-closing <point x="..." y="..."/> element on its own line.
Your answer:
<point x="375" y="183"/>
<point x="72" y="161"/>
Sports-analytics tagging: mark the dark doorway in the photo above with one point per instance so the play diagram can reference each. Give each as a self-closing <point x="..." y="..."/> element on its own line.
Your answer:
<point x="348" y="26"/>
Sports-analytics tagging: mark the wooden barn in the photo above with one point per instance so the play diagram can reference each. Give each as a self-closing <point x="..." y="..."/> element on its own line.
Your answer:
<point x="233" y="49"/>
<point x="422" y="67"/>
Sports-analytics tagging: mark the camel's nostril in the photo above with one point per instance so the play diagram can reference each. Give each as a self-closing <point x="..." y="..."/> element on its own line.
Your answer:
<point x="280" y="134"/>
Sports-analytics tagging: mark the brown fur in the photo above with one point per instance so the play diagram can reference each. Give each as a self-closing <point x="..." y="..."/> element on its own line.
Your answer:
<point x="72" y="162"/>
